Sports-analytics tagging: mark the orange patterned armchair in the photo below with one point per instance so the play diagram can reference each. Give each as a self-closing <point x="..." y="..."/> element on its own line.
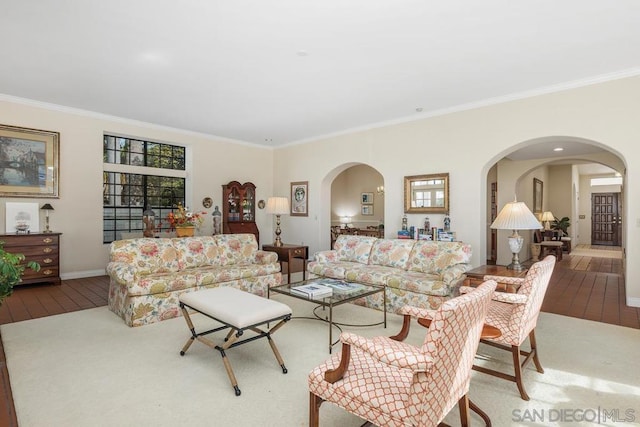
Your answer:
<point x="391" y="383"/>
<point x="516" y="315"/>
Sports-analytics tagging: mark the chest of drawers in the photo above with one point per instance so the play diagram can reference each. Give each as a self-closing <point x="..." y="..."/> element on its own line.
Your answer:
<point x="43" y="248"/>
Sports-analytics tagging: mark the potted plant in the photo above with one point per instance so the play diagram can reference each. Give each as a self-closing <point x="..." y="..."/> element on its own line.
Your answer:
<point x="561" y="225"/>
<point x="11" y="270"/>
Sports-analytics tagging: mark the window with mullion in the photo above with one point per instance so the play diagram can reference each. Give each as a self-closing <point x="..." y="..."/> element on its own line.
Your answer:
<point x="127" y="195"/>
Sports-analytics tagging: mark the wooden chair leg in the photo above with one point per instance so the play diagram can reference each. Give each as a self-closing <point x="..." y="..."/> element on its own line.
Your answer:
<point x="314" y="409"/>
<point x="515" y="351"/>
<point x="534" y="351"/>
<point x="465" y="415"/>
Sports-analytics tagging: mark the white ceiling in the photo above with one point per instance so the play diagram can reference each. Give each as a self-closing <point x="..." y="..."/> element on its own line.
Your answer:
<point x="283" y="71"/>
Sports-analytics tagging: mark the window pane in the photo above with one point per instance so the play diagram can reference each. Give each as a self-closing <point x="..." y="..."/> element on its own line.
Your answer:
<point x="126" y="195"/>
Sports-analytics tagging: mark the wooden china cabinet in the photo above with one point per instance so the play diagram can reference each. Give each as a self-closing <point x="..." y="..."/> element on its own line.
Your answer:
<point x="239" y="209"/>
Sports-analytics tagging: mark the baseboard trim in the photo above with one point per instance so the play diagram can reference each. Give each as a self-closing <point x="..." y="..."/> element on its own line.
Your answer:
<point x="82" y="274"/>
<point x="633" y="302"/>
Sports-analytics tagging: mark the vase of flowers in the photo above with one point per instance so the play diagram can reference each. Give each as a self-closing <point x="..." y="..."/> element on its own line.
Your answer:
<point x="184" y="222"/>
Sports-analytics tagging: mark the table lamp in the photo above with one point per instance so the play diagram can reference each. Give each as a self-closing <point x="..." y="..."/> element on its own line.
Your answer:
<point x="277" y="206"/>
<point x="547" y="217"/>
<point x="46" y="208"/>
<point x="515" y="216"/>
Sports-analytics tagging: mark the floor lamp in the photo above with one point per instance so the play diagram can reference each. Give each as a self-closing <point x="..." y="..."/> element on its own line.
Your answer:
<point x="516" y="216"/>
<point x="277" y="206"/>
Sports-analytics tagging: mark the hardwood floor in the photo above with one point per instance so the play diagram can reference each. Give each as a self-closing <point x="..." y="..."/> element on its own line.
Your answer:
<point x="581" y="286"/>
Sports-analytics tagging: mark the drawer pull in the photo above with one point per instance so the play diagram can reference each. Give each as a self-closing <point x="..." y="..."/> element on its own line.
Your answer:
<point x="47" y="250"/>
<point x="47" y="260"/>
<point x="47" y="272"/>
<point x="47" y="240"/>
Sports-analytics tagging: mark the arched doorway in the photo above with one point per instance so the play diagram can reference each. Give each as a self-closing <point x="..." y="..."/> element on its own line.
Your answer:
<point x="566" y="190"/>
<point x="354" y="195"/>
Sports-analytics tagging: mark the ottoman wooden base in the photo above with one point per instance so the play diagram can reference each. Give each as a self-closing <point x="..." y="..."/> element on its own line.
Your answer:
<point x="237" y="311"/>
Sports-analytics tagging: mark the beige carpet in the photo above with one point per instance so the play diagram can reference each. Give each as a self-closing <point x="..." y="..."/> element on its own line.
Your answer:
<point x="596" y="253"/>
<point x="88" y="369"/>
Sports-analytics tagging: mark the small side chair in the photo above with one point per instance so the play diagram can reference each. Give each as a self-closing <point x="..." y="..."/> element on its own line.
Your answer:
<point x="391" y="383"/>
<point x="516" y="315"/>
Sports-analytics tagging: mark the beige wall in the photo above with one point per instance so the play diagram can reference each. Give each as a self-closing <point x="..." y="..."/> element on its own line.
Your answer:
<point x="78" y="211"/>
<point x="467" y="144"/>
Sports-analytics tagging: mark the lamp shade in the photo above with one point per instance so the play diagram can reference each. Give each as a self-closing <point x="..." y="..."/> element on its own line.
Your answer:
<point x="547" y="216"/>
<point x="516" y="216"/>
<point x="277" y="205"/>
<point x="47" y="207"/>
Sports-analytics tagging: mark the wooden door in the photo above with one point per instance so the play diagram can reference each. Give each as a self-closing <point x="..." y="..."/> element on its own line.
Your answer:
<point x="606" y="219"/>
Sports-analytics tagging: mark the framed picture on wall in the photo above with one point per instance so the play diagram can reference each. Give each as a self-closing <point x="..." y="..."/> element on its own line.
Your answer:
<point x="300" y="198"/>
<point x="367" y="198"/>
<point x="28" y="162"/>
<point x="367" y="210"/>
<point x="537" y="195"/>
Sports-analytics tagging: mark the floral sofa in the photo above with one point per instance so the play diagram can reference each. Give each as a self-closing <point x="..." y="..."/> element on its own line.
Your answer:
<point x="415" y="272"/>
<point x="148" y="275"/>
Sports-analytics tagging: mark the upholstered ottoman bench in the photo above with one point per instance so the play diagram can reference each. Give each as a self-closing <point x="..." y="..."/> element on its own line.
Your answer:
<point x="238" y="311"/>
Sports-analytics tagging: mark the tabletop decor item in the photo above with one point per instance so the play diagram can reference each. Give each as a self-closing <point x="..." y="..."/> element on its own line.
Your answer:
<point x="46" y="208"/>
<point x="184" y="222"/>
<point x="22" y="218"/>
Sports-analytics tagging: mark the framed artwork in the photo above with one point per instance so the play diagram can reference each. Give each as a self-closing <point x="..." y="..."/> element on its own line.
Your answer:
<point x="537" y="195"/>
<point x="367" y="198"/>
<point x="367" y="210"/>
<point x="22" y="218"/>
<point x="300" y="198"/>
<point x="28" y="162"/>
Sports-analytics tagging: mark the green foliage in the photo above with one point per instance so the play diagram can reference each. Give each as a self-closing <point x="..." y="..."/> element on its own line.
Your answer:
<point x="561" y="224"/>
<point x="11" y="270"/>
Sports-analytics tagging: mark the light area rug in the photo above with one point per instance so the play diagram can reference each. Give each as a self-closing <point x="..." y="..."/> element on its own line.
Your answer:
<point x="596" y="253"/>
<point x="89" y="369"/>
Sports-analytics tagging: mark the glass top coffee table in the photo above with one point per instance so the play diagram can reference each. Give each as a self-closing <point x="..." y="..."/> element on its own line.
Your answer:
<point x="335" y="299"/>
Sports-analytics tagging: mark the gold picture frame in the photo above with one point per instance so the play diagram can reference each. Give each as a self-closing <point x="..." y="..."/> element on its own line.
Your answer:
<point x="537" y="195"/>
<point x="300" y="198"/>
<point x="426" y="193"/>
<point x="29" y="162"/>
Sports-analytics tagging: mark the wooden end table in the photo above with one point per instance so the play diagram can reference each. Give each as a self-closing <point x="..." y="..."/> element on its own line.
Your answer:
<point x="287" y="253"/>
<point x="476" y="276"/>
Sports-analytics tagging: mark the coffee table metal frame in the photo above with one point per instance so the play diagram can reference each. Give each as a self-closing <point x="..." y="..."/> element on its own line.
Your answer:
<point x="334" y="300"/>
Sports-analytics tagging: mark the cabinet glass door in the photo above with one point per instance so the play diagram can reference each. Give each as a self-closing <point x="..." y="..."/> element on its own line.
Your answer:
<point x="248" y="205"/>
<point x="234" y="205"/>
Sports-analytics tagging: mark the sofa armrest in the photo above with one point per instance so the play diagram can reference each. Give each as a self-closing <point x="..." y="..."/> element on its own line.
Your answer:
<point x="326" y="256"/>
<point x="266" y="257"/>
<point x="123" y="273"/>
<point x="452" y="274"/>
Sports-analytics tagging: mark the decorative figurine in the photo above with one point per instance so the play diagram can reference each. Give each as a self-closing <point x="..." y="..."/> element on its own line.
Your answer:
<point x="404" y="223"/>
<point x="447" y="222"/>
<point x="427" y="224"/>
<point x="149" y="220"/>
<point x="217" y="221"/>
